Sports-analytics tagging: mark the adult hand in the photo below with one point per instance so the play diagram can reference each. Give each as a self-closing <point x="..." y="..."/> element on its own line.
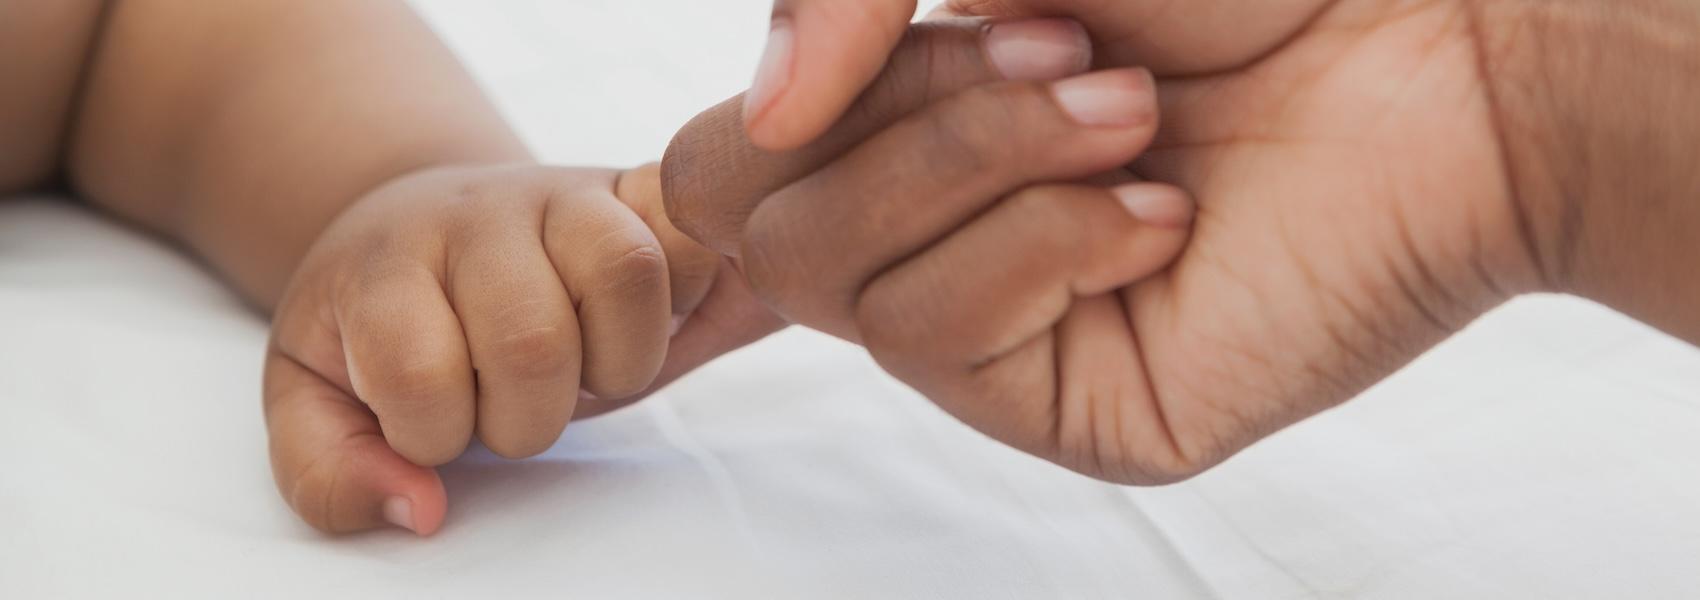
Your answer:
<point x="1356" y="203"/>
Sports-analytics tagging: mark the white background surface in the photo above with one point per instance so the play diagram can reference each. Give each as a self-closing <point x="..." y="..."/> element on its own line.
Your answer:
<point x="1550" y="451"/>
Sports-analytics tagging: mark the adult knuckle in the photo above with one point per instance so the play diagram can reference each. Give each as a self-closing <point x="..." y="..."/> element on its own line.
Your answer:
<point x="768" y="264"/>
<point x="945" y="57"/>
<point x="1163" y="468"/>
<point x="889" y="329"/>
<point x="694" y="190"/>
<point x="1190" y="451"/>
<point x="980" y="7"/>
<point x="1033" y="202"/>
<point x="972" y="131"/>
<point x="1056" y="209"/>
<point x="680" y="188"/>
<point x="861" y="16"/>
<point x="926" y="53"/>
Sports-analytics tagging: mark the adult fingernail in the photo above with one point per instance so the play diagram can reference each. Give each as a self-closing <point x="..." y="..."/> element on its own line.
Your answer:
<point x="399" y="512"/>
<point x="1038" y="49"/>
<point x="1156" y="204"/>
<point x="1119" y="98"/>
<point x="774" y="73"/>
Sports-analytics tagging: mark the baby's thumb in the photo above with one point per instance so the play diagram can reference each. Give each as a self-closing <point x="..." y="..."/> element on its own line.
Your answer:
<point x="332" y="463"/>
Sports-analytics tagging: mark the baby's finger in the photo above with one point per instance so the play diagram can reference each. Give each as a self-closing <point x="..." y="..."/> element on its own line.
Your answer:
<point x="811" y="247"/>
<point x="691" y="267"/>
<point x="332" y="463"/>
<point x="616" y="273"/>
<point x="407" y="360"/>
<point x="521" y="332"/>
<point x="994" y="288"/>
<point x="728" y="318"/>
<point x="714" y="177"/>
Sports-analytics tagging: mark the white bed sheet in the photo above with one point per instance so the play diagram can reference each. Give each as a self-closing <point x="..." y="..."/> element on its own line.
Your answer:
<point x="1550" y="451"/>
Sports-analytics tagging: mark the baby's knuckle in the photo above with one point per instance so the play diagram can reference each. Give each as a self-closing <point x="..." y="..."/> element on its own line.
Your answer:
<point x="620" y="381"/>
<point x="378" y="270"/>
<point x="639" y="268"/>
<point x="313" y="488"/>
<point x="533" y="351"/>
<point x="475" y="193"/>
<point x="422" y="384"/>
<point x="518" y="445"/>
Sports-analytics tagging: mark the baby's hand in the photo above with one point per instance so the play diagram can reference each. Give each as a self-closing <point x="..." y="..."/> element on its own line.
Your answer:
<point x="471" y="301"/>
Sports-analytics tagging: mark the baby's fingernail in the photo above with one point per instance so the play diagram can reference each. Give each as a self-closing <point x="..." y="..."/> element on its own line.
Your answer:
<point x="774" y="73"/>
<point x="1038" y="49"/>
<point x="399" y="512"/>
<point x="675" y="325"/>
<point x="1156" y="204"/>
<point x="1119" y="98"/>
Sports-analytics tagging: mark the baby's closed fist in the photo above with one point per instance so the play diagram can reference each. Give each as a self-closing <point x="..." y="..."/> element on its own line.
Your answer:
<point x="461" y="302"/>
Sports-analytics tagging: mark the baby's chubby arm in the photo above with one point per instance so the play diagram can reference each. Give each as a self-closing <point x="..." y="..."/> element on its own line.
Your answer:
<point x="240" y="129"/>
<point x="43" y="46"/>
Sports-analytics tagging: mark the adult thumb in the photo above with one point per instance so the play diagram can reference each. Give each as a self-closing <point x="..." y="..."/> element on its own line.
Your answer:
<point x="820" y="55"/>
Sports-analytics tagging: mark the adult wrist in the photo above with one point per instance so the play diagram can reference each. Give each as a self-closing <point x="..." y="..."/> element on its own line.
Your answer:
<point x="1595" y="105"/>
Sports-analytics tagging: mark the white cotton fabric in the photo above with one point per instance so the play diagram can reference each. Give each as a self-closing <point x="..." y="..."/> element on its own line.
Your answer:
<point x="1548" y="452"/>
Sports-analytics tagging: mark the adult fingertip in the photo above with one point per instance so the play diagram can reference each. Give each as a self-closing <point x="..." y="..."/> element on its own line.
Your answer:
<point x="1038" y="49"/>
<point x="1156" y="204"/>
<point x="773" y="77"/>
<point x="820" y="55"/>
<point x="787" y="125"/>
<point x="1117" y="98"/>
